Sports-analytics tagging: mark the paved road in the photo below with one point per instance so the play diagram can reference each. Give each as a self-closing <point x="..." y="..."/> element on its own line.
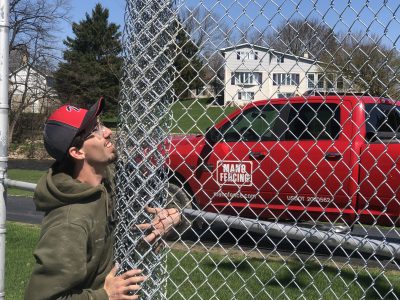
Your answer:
<point x="22" y="209"/>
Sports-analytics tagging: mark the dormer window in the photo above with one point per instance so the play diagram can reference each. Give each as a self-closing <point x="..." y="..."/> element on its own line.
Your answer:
<point x="251" y="55"/>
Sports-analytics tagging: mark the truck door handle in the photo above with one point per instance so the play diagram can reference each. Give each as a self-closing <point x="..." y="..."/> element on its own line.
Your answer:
<point x="257" y="155"/>
<point x="332" y="155"/>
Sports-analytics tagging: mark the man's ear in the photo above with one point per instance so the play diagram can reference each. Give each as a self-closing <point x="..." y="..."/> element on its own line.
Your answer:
<point x="76" y="153"/>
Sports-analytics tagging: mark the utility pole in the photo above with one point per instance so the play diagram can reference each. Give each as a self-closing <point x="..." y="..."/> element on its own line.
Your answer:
<point x="4" y="30"/>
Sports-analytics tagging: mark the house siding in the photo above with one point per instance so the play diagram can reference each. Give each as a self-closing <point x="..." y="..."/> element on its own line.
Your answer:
<point x="29" y="86"/>
<point x="267" y="65"/>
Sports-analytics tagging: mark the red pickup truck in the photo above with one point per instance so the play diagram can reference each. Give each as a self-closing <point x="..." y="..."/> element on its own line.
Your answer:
<point x="319" y="158"/>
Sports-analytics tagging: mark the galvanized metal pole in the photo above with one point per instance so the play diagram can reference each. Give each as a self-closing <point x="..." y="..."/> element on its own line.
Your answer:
<point x="4" y="29"/>
<point x="346" y="241"/>
<point x="145" y="96"/>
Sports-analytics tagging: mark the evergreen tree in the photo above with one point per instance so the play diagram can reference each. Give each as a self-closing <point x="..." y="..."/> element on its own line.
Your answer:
<point x="187" y="65"/>
<point x="92" y="66"/>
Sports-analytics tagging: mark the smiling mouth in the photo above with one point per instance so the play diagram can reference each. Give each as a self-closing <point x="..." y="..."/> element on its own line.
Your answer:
<point x="109" y="144"/>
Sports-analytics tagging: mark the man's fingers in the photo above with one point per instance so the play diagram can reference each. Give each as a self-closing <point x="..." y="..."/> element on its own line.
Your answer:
<point x="143" y="226"/>
<point x="135" y="281"/>
<point x="150" y="238"/>
<point x="113" y="271"/>
<point x="153" y="210"/>
<point x="132" y="274"/>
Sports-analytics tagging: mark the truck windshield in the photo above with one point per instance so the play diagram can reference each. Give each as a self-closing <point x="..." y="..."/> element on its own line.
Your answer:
<point x="382" y="119"/>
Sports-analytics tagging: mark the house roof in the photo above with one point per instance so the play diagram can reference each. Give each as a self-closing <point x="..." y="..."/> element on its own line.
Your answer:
<point x="15" y="60"/>
<point x="265" y="49"/>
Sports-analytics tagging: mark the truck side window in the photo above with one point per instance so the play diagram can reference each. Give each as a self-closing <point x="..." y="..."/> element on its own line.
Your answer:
<point x="313" y="121"/>
<point x="255" y="124"/>
<point x="383" y="121"/>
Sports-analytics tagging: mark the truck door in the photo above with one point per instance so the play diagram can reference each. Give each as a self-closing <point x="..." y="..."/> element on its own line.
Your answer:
<point x="311" y="167"/>
<point x="240" y="165"/>
<point x="378" y="198"/>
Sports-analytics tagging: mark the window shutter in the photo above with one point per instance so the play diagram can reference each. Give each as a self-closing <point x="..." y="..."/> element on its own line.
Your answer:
<point x="233" y="78"/>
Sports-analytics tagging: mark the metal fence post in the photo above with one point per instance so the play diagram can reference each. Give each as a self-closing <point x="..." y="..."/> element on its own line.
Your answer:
<point x="4" y="29"/>
<point x="142" y="133"/>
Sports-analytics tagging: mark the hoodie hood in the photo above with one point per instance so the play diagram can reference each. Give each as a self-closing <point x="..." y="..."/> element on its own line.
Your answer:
<point x="59" y="189"/>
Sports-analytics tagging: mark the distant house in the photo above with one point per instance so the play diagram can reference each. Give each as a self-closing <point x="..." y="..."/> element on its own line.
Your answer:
<point x="30" y="88"/>
<point x="253" y="72"/>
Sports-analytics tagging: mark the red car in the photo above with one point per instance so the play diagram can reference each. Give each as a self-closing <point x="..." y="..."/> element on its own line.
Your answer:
<point x="320" y="158"/>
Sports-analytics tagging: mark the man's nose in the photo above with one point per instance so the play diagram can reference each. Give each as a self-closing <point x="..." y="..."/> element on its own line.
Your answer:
<point x="107" y="132"/>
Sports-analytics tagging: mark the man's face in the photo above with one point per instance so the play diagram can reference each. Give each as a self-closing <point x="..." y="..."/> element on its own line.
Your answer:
<point x="98" y="147"/>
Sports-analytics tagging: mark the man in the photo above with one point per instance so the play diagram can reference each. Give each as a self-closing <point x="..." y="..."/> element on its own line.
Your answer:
<point x="74" y="258"/>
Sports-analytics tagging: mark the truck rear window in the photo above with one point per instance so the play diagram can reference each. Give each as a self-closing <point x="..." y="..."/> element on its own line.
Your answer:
<point x="313" y="121"/>
<point x="383" y="121"/>
<point x="299" y="121"/>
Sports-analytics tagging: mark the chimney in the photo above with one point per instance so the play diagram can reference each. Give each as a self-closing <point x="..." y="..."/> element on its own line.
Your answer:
<point x="24" y="59"/>
<point x="306" y="54"/>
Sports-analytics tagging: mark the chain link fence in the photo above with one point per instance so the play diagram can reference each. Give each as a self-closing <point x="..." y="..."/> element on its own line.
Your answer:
<point x="274" y="127"/>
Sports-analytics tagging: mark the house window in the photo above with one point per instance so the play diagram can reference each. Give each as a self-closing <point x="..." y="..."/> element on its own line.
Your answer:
<point x="320" y="83"/>
<point x="248" y="78"/>
<point x="285" y="95"/>
<point x="251" y="55"/>
<point x="339" y="82"/>
<point x="248" y="96"/>
<point x="280" y="59"/>
<point x="311" y="83"/>
<point x="330" y="81"/>
<point x="286" y="78"/>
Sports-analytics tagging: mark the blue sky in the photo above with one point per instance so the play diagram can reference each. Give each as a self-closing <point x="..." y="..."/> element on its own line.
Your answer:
<point x="80" y="7"/>
<point x="369" y="16"/>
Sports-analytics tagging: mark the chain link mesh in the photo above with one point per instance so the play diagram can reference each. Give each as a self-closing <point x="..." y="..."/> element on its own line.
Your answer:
<point x="274" y="127"/>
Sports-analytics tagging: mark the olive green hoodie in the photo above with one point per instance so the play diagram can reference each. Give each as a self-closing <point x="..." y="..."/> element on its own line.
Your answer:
<point x="74" y="252"/>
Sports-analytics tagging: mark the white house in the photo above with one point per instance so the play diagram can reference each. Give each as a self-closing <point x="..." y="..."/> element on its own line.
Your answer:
<point x="254" y="72"/>
<point x="31" y="89"/>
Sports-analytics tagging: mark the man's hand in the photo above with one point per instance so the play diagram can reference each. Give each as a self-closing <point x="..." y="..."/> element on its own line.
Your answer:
<point x="120" y="287"/>
<point x="164" y="220"/>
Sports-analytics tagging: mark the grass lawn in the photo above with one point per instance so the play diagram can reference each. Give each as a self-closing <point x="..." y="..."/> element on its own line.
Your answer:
<point x="193" y="116"/>
<point x="188" y="116"/>
<point x="23" y="175"/>
<point x="198" y="275"/>
<point x="20" y="242"/>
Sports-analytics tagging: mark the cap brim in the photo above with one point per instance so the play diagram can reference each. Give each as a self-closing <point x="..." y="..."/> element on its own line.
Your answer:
<point x="90" y="119"/>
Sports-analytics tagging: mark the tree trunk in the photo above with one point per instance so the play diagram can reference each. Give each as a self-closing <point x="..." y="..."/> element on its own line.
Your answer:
<point x="12" y="125"/>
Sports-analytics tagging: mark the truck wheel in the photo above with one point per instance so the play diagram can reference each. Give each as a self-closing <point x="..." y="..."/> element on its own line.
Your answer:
<point x="178" y="198"/>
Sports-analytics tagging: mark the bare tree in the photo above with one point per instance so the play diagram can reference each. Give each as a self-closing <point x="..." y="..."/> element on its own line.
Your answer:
<point x="33" y="52"/>
<point x="370" y="65"/>
<point x="210" y="32"/>
<point x="206" y="28"/>
<point x="302" y="36"/>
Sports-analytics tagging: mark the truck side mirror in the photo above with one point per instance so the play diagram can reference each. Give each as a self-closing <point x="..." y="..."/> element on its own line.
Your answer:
<point x="213" y="135"/>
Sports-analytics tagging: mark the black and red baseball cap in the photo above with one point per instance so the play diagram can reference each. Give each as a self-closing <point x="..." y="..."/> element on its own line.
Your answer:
<point x="65" y="124"/>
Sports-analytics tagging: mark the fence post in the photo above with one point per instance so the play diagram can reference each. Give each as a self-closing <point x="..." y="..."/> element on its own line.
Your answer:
<point x="140" y="179"/>
<point x="4" y="29"/>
